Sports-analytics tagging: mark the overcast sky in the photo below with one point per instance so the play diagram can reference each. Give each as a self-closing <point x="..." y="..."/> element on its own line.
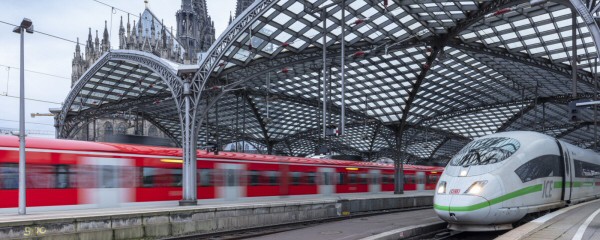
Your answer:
<point x="69" y="19"/>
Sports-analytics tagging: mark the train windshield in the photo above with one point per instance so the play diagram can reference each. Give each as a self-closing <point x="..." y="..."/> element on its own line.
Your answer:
<point x="485" y="151"/>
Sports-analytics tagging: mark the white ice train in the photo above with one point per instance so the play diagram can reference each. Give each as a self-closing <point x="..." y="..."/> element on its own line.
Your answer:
<point x="497" y="180"/>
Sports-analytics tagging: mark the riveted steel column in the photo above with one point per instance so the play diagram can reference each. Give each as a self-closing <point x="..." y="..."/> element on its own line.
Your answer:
<point x="189" y="159"/>
<point x="324" y="16"/>
<point x="343" y="63"/>
<point x="574" y="52"/>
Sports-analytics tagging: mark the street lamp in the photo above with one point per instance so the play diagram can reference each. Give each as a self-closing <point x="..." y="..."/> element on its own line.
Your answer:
<point x="26" y="26"/>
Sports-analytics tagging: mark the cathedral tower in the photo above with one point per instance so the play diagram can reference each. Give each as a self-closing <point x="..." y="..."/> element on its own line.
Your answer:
<point x="195" y="29"/>
<point x="241" y="6"/>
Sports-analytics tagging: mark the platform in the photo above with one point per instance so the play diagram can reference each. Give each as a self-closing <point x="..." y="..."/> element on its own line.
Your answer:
<point x="581" y="221"/>
<point x="208" y="216"/>
<point x="359" y="228"/>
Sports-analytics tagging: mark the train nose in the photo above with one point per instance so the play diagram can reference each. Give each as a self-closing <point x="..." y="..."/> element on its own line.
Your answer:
<point x="464" y="209"/>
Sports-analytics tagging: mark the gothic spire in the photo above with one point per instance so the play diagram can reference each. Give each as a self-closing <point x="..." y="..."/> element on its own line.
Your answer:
<point x="128" y="26"/>
<point x="241" y="6"/>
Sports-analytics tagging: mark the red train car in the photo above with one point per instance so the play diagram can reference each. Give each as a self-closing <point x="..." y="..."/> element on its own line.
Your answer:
<point x="67" y="173"/>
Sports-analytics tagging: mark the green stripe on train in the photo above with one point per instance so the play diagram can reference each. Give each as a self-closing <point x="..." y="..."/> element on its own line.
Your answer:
<point x="518" y="193"/>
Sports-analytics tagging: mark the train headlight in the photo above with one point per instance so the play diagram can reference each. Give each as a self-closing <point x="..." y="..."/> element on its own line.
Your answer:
<point x="476" y="188"/>
<point x="442" y="187"/>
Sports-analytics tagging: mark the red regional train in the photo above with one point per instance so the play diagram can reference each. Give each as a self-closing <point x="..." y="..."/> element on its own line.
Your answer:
<point x="75" y="173"/>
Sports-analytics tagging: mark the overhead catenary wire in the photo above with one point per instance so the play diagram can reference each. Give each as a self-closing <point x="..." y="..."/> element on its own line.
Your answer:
<point x="32" y="71"/>
<point x="47" y="34"/>
<point x="113" y="7"/>
<point x="31" y="99"/>
<point x="8" y="120"/>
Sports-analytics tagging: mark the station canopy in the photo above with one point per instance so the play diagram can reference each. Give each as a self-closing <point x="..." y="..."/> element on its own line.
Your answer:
<point x="436" y="74"/>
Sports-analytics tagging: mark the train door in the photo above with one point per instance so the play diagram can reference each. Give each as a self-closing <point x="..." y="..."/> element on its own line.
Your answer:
<point x="420" y="181"/>
<point x="568" y="176"/>
<point x="326" y="186"/>
<point x="113" y="181"/>
<point x="231" y="188"/>
<point x="375" y="183"/>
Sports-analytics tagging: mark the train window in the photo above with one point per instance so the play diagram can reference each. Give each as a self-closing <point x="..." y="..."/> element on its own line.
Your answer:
<point x="543" y="166"/>
<point x="205" y="177"/>
<point x="362" y="178"/>
<point x="352" y="178"/>
<point x="409" y="179"/>
<point x="485" y="151"/>
<point x="62" y="176"/>
<point x="431" y="179"/>
<point x="295" y="178"/>
<point x="253" y="178"/>
<point x="341" y="178"/>
<point x="388" y="179"/>
<point x="273" y="177"/>
<point x="586" y="170"/>
<point x="161" y="177"/>
<point x="9" y="176"/>
<point x="310" y="178"/>
<point x="40" y="176"/>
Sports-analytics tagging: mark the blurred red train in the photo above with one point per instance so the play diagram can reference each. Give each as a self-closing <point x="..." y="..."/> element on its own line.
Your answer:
<point x="64" y="172"/>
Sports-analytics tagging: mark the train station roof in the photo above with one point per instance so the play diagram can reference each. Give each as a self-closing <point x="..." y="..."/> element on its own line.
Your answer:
<point x="440" y="72"/>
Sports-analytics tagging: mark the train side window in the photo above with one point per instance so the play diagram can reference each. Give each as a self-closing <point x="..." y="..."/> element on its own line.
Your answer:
<point x="388" y="179"/>
<point x="62" y="176"/>
<point x="161" y="177"/>
<point x="431" y="179"/>
<point x="272" y="178"/>
<point x="205" y="177"/>
<point x="362" y="178"/>
<point x="341" y="178"/>
<point x="176" y="177"/>
<point x="295" y="178"/>
<point x="586" y="170"/>
<point x="540" y="167"/>
<point x="409" y="179"/>
<point x="310" y="178"/>
<point x="9" y="176"/>
<point x="148" y="177"/>
<point x="253" y="178"/>
<point x="40" y="176"/>
<point x="352" y="178"/>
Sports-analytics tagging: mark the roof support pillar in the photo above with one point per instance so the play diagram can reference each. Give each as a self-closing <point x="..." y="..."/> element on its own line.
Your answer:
<point x="398" y="164"/>
<point x="324" y="16"/>
<point x="189" y="142"/>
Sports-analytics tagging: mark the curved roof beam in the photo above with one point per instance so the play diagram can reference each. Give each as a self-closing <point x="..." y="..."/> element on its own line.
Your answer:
<point x="563" y="99"/>
<point x="166" y="72"/>
<point x="541" y="63"/>
<point x="70" y="129"/>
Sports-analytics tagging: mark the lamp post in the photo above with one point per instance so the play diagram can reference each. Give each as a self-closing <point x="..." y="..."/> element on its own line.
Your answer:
<point x="26" y="26"/>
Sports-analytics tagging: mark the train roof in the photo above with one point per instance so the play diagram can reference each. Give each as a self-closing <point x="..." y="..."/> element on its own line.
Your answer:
<point x="85" y="146"/>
